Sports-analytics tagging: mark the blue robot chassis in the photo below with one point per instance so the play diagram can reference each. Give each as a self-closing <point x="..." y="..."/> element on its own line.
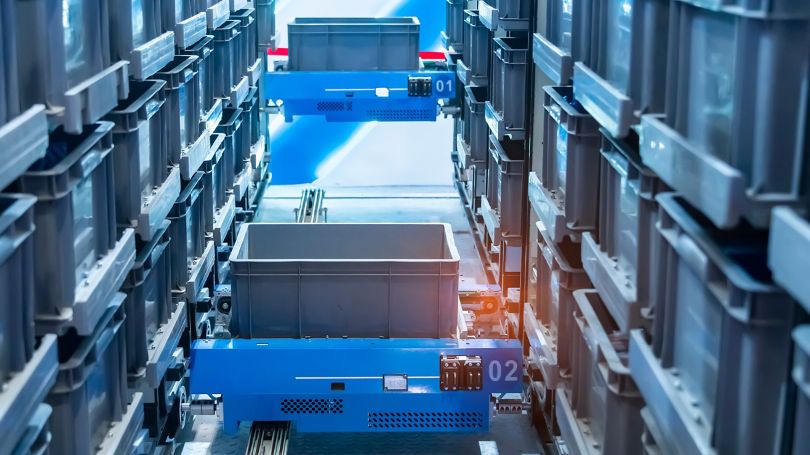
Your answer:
<point x="357" y="385"/>
<point x="360" y="96"/>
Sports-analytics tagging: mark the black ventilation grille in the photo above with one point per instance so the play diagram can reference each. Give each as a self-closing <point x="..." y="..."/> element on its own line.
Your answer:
<point x="402" y="115"/>
<point x="425" y="420"/>
<point x="331" y="106"/>
<point x="312" y="406"/>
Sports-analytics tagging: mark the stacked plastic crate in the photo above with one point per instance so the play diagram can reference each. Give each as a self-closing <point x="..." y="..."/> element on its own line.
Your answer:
<point x="734" y="144"/>
<point x="69" y="256"/>
<point x="28" y="362"/>
<point x="594" y="200"/>
<point x="489" y="39"/>
<point x="659" y="165"/>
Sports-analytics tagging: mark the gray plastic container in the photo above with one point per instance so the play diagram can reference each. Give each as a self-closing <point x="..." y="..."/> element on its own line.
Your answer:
<point x="188" y="143"/>
<point x="622" y="256"/>
<point x="23" y="140"/>
<point x="154" y="322"/>
<point x="81" y="257"/>
<point x="454" y="25"/>
<point x="36" y="437"/>
<point x="736" y="119"/>
<point x="801" y="376"/>
<point x="176" y="12"/>
<point x="93" y="411"/>
<point x="226" y="58"/>
<point x="204" y="51"/>
<point x="248" y="43"/>
<point x="506" y="112"/>
<point x="566" y="39"/>
<point x="355" y="280"/>
<point x="266" y="25"/>
<point x="567" y="201"/>
<point x="65" y="60"/>
<point x="476" y="131"/>
<point x="191" y="253"/>
<point x="505" y="188"/>
<point x="250" y="109"/>
<point x="136" y="36"/>
<point x="218" y="201"/>
<point x="602" y="412"/>
<point x="789" y="253"/>
<point x="474" y="68"/>
<point x="16" y="283"/>
<point x="146" y="183"/>
<point x="559" y="274"/>
<point x="511" y="15"/>
<point x="627" y="71"/>
<point x="721" y="332"/>
<point x="22" y="395"/>
<point x="232" y="127"/>
<point x="353" y="44"/>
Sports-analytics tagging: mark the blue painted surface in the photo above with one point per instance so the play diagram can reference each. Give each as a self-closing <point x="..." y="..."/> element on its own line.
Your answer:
<point x="255" y="377"/>
<point x="300" y="148"/>
<point x="348" y="96"/>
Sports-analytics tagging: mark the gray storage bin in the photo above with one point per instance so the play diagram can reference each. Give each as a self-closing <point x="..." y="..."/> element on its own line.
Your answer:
<point x="602" y="412"/>
<point x="506" y="113"/>
<point x="22" y="397"/>
<point x="627" y="71"/>
<point x="453" y="35"/>
<point x="9" y="83"/>
<point x="16" y="283"/>
<point x="505" y="188"/>
<point x="266" y="25"/>
<point x="204" y="50"/>
<point x="146" y="183"/>
<point x="801" y="376"/>
<point x="250" y="109"/>
<point x="355" y="280"/>
<point x="505" y="14"/>
<point x="187" y="141"/>
<point x="559" y="274"/>
<point x="475" y="130"/>
<point x="789" y="253"/>
<point x="218" y="201"/>
<point x="716" y="374"/>
<point x="231" y="127"/>
<point x="136" y="33"/>
<point x="23" y="140"/>
<point x="81" y="258"/>
<point x="186" y="18"/>
<point x="566" y="39"/>
<point x="736" y="119"/>
<point x="567" y="201"/>
<point x="226" y="58"/>
<point x="93" y="411"/>
<point x="248" y="43"/>
<point x="621" y="258"/>
<point x="353" y="44"/>
<point x="154" y="322"/>
<point x="217" y="13"/>
<point x="64" y="61"/>
<point x="474" y="68"/>
<point x="191" y="253"/>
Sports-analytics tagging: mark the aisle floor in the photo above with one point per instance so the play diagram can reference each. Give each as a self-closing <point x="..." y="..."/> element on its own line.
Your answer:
<point x="511" y="434"/>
